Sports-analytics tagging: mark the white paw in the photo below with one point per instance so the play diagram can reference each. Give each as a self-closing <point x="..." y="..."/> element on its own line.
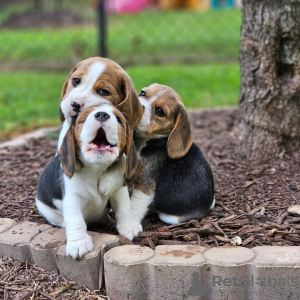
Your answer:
<point x="78" y="248"/>
<point x="130" y="229"/>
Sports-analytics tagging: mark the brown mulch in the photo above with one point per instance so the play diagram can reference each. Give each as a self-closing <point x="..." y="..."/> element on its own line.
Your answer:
<point x="21" y="280"/>
<point x="252" y="197"/>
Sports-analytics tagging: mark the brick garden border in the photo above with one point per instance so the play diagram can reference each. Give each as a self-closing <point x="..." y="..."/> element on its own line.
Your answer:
<point x="168" y="272"/>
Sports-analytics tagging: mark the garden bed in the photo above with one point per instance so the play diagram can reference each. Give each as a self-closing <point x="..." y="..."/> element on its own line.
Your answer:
<point x="252" y="197"/>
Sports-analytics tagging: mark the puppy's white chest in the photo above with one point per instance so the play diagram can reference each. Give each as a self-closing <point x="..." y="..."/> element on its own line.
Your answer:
<point x="90" y="187"/>
<point x="95" y="208"/>
<point x="85" y="185"/>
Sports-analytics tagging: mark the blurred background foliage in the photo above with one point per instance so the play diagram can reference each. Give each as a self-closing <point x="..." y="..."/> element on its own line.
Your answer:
<point x="190" y="45"/>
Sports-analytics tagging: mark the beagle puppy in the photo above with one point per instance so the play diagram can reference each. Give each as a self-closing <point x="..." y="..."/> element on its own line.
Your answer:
<point x="97" y="81"/>
<point x="173" y="175"/>
<point x="101" y="140"/>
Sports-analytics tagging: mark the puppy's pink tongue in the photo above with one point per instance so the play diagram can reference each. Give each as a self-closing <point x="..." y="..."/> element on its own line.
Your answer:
<point x="94" y="146"/>
<point x="103" y="147"/>
<point x="100" y="147"/>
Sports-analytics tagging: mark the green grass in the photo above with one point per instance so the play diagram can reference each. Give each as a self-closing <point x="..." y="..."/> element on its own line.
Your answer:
<point x="31" y="99"/>
<point x="209" y="33"/>
<point x="207" y="85"/>
<point x="48" y="44"/>
<point x="166" y="35"/>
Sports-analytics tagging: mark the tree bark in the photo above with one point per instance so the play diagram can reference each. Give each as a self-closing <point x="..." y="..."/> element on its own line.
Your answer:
<point x="269" y="97"/>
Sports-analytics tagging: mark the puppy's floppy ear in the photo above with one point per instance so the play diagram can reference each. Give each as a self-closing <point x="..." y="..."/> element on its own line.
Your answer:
<point x="131" y="107"/>
<point x="132" y="158"/>
<point x="61" y="115"/>
<point x="63" y="92"/>
<point x="180" y="139"/>
<point x="68" y="151"/>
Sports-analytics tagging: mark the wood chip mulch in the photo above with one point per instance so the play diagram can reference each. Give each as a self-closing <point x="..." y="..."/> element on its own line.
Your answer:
<point x="252" y="196"/>
<point x="21" y="280"/>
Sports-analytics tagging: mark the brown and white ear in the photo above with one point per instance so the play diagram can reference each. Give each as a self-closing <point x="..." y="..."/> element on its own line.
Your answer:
<point x="68" y="152"/>
<point x="132" y="158"/>
<point x="180" y="139"/>
<point x="131" y="107"/>
<point x="63" y="92"/>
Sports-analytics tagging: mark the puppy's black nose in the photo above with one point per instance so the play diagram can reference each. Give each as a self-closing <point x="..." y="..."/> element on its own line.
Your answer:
<point x="76" y="106"/>
<point x="102" y="116"/>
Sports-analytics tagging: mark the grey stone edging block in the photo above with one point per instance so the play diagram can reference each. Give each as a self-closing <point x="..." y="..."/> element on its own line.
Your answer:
<point x="15" y="242"/>
<point x="193" y="272"/>
<point x="277" y="271"/>
<point x="168" y="272"/>
<point x="6" y="223"/>
<point x="44" y="246"/>
<point x="86" y="271"/>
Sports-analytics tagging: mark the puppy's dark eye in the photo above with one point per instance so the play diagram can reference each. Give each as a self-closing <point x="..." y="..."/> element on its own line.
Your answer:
<point x="103" y="92"/>
<point x="119" y="120"/>
<point x="159" y="111"/>
<point x="76" y="81"/>
<point x="142" y="93"/>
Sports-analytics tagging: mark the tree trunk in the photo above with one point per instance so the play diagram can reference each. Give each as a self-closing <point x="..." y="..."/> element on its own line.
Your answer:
<point x="270" y="77"/>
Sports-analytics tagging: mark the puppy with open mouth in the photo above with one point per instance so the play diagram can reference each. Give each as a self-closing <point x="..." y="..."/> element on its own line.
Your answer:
<point x="173" y="175"/>
<point x="96" y="81"/>
<point x="99" y="139"/>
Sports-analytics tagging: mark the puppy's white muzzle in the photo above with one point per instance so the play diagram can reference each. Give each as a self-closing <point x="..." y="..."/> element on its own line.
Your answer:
<point x="99" y="136"/>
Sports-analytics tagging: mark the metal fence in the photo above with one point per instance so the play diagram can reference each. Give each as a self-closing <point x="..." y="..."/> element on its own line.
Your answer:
<point x="56" y="34"/>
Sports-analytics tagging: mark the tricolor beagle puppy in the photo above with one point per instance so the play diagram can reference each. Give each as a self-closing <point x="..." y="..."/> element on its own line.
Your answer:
<point x="101" y="140"/>
<point x="97" y="81"/>
<point x="173" y="174"/>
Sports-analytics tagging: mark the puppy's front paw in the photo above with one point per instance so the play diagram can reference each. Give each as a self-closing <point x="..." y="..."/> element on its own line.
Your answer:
<point x="78" y="248"/>
<point x="130" y="229"/>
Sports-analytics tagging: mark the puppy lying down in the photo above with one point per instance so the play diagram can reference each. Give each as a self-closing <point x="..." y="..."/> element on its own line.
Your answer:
<point x="173" y="175"/>
<point x="99" y="142"/>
